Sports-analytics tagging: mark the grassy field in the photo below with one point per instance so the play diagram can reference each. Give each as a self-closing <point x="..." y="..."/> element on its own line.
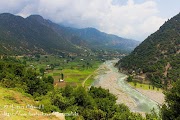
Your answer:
<point x="144" y="86"/>
<point x="74" y="69"/>
<point x="17" y="106"/>
<point x="71" y="76"/>
<point x="89" y="81"/>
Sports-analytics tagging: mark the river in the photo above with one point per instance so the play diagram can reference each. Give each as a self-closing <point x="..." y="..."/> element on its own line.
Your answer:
<point x="115" y="82"/>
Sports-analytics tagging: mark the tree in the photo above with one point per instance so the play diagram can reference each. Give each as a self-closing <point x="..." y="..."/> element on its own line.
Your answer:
<point x="67" y="91"/>
<point x="82" y="98"/>
<point x="171" y="111"/>
<point x="61" y="102"/>
<point x="62" y="76"/>
<point x="49" y="79"/>
<point x="42" y="70"/>
<point x="135" y="83"/>
<point x="129" y="79"/>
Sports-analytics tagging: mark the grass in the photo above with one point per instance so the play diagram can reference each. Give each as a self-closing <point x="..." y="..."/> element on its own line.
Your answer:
<point x="144" y="86"/>
<point x="75" y="70"/>
<point x="13" y="106"/>
<point x="89" y="82"/>
<point x="72" y="75"/>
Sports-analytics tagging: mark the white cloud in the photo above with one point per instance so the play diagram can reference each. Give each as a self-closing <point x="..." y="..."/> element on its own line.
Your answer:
<point x="130" y="20"/>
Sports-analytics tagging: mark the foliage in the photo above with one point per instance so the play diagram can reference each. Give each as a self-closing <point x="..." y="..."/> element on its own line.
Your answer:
<point x="130" y="78"/>
<point x="158" y="55"/>
<point x="171" y="110"/>
<point x="34" y="35"/>
<point x="95" y="103"/>
<point x="14" y="74"/>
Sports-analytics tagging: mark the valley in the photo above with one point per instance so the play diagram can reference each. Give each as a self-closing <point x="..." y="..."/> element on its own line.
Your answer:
<point x="86" y="74"/>
<point x="116" y="83"/>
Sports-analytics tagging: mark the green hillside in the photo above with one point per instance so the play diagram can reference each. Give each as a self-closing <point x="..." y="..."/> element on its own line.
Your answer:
<point x="24" y="36"/>
<point x="99" y="39"/>
<point x="17" y="106"/>
<point x="35" y="34"/>
<point x="158" y="56"/>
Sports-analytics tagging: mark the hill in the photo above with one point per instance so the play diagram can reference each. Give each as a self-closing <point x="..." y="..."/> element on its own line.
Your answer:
<point x="157" y="57"/>
<point x="98" y="39"/>
<point x="35" y="34"/>
<point x="23" y="36"/>
<point x="17" y="106"/>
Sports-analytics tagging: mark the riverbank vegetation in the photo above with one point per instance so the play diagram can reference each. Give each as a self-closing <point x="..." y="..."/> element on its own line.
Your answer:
<point x="80" y="102"/>
<point x="137" y="83"/>
<point x="144" y="86"/>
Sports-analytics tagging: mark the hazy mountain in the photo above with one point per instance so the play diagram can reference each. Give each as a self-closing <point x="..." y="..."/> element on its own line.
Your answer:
<point x="34" y="34"/>
<point x="99" y="39"/>
<point x="159" y="55"/>
<point x="19" y="35"/>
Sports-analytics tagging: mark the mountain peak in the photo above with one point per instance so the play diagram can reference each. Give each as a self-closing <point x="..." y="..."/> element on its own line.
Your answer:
<point x="35" y="34"/>
<point x="8" y="16"/>
<point x="36" y="17"/>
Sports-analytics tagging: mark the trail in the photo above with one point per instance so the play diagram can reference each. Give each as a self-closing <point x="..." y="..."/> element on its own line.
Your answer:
<point x="84" y="81"/>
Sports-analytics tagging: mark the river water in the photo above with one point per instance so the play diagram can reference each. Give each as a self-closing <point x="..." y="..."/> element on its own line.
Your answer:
<point x="143" y="103"/>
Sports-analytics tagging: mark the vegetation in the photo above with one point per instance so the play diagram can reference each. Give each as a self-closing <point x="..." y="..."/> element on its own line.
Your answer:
<point x="73" y="70"/>
<point x="16" y="105"/>
<point x="34" y="76"/>
<point x="144" y="86"/>
<point x="157" y="56"/>
<point x="79" y="102"/>
<point x="34" y="34"/>
<point x="171" y="110"/>
<point x="13" y="74"/>
<point x="95" y="103"/>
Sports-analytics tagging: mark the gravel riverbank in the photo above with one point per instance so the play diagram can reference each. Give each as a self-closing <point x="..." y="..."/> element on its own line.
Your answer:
<point x="138" y="100"/>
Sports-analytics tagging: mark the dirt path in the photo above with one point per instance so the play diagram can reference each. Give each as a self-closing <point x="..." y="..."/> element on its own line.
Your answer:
<point x="84" y="81"/>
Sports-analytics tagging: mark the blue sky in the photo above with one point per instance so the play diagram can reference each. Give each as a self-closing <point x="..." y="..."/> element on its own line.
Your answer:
<point x="135" y="19"/>
<point x="168" y="8"/>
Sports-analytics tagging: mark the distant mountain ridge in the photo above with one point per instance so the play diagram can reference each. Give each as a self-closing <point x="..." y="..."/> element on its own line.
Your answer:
<point x="35" y="34"/>
<point x="97" y="38"/>
<point x="158" y="56"/>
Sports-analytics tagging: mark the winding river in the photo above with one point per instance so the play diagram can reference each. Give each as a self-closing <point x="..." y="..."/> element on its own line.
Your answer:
<point x="115" y="82"/>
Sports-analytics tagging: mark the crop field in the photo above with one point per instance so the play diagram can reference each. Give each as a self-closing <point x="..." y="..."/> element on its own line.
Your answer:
<point x="74" y="69"/>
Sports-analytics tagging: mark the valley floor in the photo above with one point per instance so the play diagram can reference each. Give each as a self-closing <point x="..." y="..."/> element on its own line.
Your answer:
<point x="109" y="81"/>
<point x="157" y="96"/>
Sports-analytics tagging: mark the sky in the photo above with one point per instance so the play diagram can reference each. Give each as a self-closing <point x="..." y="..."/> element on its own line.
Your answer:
<point x="134" y="19"/>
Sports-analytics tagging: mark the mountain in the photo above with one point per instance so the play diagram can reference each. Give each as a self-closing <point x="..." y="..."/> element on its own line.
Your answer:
<point x="99" y="39"/>
<point x="23" y="36"/>
<point x="158" y="56"/>
<point x="35" y="34"/>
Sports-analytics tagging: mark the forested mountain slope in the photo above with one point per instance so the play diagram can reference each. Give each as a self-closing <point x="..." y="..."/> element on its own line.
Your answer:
<point x="158" y="56"/>
<point x="35" y="34"/>
<point x="103" y="40"/>
<point x="19" y="35"/>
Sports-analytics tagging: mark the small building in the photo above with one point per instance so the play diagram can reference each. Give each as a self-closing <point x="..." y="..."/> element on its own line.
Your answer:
<point x="61" y="80"/>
